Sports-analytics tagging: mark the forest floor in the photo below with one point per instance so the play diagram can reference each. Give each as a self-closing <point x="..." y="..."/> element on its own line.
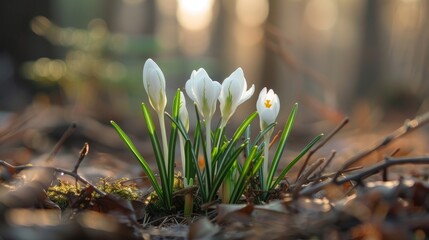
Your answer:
<point x="351" y="185"/>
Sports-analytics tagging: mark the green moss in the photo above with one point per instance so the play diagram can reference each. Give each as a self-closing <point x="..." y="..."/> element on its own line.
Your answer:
<point x="63" y="193"/>
<point x="125" y="191"/>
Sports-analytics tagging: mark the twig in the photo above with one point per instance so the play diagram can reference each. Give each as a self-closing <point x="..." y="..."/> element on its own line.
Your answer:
<point x="333" y="153"/>
<point x="366" y="173"/>
<point x="383" y="165"/>
<point x="305" y="175"/>
<point x="20" y="168"/>
<point x="275" y="139"/>
<point x="83" y="152"/>
<point x="384" y="173"/>
<point x="330" y="175"/>
<point x="408" y="127"/>
<point x="60" y="142"/>
<point x="321" y="144"/>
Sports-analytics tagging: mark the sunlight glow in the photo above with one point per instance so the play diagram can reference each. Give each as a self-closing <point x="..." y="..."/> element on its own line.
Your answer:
<point x="321" y="14"/>
<point x="195" y="14"/>
<point x="252" y="12"/>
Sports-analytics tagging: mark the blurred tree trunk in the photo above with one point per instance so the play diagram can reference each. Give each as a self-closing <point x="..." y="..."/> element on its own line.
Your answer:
<point x="271" y="59"/>
<point x="371" y="52"/>
<point x="424" y="80"/>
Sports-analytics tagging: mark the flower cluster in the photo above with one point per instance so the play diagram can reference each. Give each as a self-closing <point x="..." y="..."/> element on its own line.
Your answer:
<point x="225" y="174"/>
<point x="205" y="93"/>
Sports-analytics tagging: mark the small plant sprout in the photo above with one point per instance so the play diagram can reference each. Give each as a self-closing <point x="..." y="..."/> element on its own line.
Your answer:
<point x="234" y="92"/>
<point x="204" y="92"/>
<point x="154" y="85"/>
<point x="268" y="107"/>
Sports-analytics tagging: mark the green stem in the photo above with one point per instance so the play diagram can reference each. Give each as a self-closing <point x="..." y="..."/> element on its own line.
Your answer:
<point x="265" y="166"/>
<point x="227" y="187"/>
<point x="209" y="150"/>
<point x="164" y="137"/>
<point x="189" y="204"/>
<point x="182" y="156"/>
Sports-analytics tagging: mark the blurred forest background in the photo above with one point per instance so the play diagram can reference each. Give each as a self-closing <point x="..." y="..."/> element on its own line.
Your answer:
<point x="367" y="59"/>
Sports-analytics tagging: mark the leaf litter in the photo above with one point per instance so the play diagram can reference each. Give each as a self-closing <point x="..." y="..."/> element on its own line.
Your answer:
<point x="346" y="203"/>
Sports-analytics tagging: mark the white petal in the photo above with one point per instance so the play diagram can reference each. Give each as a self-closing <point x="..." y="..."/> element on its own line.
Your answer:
<point x="154" y="84"/>
<point x="183" y="112"/>
<point x="189" y="89"/>
<point x="247" y="94"/>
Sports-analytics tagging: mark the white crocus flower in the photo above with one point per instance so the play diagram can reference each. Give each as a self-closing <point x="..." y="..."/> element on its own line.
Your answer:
<point x="234" y="92"/>
<point x="154" y="85"/>
<point x="268" y="106"/>
<point x="204" y="92"/>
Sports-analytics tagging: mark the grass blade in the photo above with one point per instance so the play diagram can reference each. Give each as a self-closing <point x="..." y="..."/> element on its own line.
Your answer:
<point x="294" y="161"/>
<point x="139" y="157"/>
<point x="158" y="155"/>
<point x="282" y="142"/>
<point x="172" y="142"/>
<point x="225" y="169"/>
<point x="244" y="177"/>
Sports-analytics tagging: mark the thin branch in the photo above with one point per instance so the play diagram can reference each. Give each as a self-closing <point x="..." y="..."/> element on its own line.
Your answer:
<point x="383" y="165"/>
<point x="408" y="127"/>
<point x="365" y="173"/>
<point x="275" y="139"/>
<point x="20" y="168"/>
<point x="83" y="152"/>
<point x="384" y="173"/>
<point x="305" y="175"/>
<point x="328" y="162"/>
<point x="321" y="144"/>
<point x="60" y="142"/>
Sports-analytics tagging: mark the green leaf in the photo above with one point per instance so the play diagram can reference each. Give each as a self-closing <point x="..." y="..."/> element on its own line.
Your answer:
<point x="226" y="149"/>
<point x="282" y="143"/>
<point x="208" y="174"/>
<point x="241" y="183"/>
<point x="247" y="136"/>
<point x="226" y="167"/>
<point x="190" y="154"/>
<point x="258" y="162"/>
<point x="262" y="133"/>
<point x="242" y="128"/>
<point x="158" y="155"/>
<point x="172" y="142"/>
<point x="139" y="157"/>
<point x="294" y="161"/>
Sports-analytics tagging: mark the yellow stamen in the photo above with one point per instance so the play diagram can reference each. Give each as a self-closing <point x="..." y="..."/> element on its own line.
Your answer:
<point x="268" y="103"/>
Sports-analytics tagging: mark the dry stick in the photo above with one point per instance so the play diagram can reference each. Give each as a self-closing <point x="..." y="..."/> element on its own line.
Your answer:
<point x="333" y="153"/>
<point x="14" y="126"/>
<point x="318" y="175"/>
<point x="407" y="127"/>
<point x="384" y="173"/>
<point x="60" y="142"/>
<point x="305" y="175"/>
<point x="321" y="144"/>
<point x="17" y="169"/>
<point x="366" y="173"/>
<point x="275" y="139"/>
<point x="383" y="165"/>
<point x="83" y="152"/>
<point x="330" y="175"/>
